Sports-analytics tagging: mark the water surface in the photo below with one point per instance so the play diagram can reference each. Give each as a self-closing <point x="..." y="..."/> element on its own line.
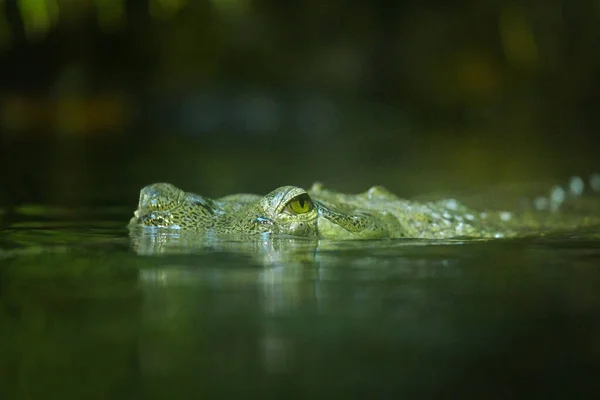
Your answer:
<point x="87" y="311"/>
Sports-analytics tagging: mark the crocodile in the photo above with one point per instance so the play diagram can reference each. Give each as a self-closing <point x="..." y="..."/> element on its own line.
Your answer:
<point x="326" y="214"/>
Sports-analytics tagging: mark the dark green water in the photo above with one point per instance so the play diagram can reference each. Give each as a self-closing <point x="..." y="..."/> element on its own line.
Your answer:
<point x="87" y="312"/>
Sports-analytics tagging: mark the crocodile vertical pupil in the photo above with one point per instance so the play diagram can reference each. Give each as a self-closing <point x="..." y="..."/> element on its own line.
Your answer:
<point x="299" y="205"/>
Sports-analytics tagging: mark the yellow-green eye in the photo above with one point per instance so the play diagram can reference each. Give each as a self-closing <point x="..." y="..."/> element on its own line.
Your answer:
<point x="299" y="204"/>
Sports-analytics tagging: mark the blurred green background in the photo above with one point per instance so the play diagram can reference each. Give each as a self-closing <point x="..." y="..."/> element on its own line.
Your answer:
<point x="101" y="97"/>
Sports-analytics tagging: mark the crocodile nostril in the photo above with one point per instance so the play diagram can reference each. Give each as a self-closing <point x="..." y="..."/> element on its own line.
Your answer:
<point x="264" y="221"/>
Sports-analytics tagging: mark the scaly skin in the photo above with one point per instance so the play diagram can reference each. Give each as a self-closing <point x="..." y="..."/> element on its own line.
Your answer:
<point x="323" y="213"/>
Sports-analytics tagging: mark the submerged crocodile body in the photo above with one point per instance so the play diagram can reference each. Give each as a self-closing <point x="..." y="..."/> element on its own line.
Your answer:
<point x="319" y="212"/>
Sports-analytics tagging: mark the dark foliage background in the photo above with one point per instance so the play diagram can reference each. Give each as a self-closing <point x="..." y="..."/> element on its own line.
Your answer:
<point x="100" y="97"/>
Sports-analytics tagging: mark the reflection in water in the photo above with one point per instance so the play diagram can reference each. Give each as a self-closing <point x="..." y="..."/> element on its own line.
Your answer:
<point x="288" y="271"/>
<point x="286" y="276"/>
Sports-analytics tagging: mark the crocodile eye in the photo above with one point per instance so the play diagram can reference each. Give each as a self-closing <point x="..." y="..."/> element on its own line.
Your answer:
<point x="299" y="205"/>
